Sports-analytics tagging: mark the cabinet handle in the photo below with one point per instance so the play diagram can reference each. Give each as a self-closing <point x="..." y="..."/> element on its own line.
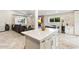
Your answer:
<point x="49" y="38"/>
<point x="43" y="41"/>
<point x="51" y="42"/>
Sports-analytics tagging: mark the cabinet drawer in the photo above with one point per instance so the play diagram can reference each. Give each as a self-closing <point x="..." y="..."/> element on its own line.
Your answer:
<point x="42" y="44"/>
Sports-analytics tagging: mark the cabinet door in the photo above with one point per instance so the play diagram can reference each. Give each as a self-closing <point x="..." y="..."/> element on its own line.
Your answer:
<point x="48" y="43"/>
<point x="54" y="41"/>
<point x="77" y="22"/>
<point x="68" y="29"/>
<point x="42" y="44"/>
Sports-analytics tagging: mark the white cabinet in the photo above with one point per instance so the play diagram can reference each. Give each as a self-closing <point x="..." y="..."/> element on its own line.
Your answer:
<point x="46" y="44"/>
<point x="68" y="29"/>
<point x="34" y="44"/>
<point x="49" y="43"/>
<point x="39" y="39"/>
<point x="55" y="41"/>
<point x="31" y="43"/>
<point x="76" y="14"/>
<point x="42" y="44"/>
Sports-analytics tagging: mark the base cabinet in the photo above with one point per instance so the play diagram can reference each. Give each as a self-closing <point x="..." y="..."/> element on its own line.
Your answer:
<point x="32" y="43"/>
<point x="55" y="40"/>
<point x="46" y="44"/>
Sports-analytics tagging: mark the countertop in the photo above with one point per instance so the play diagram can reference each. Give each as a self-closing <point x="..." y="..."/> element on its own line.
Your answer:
<point x="39" y="34"/>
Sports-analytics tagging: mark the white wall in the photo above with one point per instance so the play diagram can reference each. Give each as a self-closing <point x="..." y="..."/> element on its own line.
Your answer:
<point x="67" y="17"/>
<point x="5" y="17"/>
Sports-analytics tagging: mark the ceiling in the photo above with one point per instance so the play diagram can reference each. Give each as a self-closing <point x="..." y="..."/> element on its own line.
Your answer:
<point x="23" y="12"/>
<point x="40" y="12"/>
<point x="51" y="12"/>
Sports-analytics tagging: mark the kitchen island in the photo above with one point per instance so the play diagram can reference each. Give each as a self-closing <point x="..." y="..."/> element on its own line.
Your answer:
<point x="38" y="39"/>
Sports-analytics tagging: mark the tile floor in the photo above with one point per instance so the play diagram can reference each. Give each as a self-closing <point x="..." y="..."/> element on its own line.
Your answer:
<point x="67" y="41"/>
<point x="63" y="41"/>
<point x="11" y="40"/>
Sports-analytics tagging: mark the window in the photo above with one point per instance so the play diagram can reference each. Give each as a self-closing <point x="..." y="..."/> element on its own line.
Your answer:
<point x="57" y="19"/>
<point x="51" y="19"/>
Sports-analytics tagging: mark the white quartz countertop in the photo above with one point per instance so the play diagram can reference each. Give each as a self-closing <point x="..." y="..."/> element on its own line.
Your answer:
<point x="39" y="34"/>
